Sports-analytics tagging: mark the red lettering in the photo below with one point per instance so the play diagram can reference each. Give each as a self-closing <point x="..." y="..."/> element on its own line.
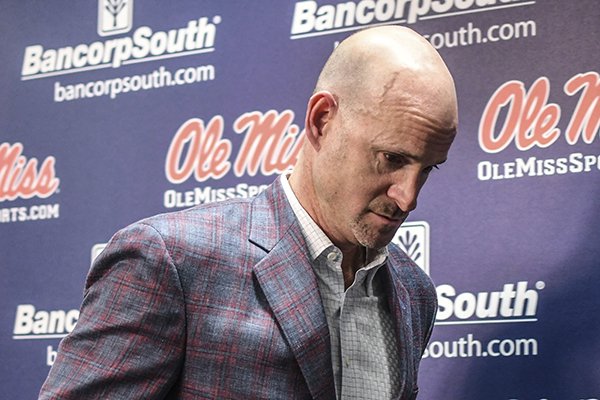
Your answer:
<point x="538" y="119"/>
<point x="529" y="120"/>
<point x="197" y="150"/>
<point x="510" y="93"/>
<point x="272" y="142"/>
<point x="21" y="178"/>
<point x="586" y="117"/>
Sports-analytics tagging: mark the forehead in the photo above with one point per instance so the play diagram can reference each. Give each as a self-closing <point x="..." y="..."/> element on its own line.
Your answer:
<point x="404" y="125"/>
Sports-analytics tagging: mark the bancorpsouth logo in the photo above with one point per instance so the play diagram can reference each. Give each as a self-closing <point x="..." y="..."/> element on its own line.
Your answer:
<point x="313" y="19"/>
<point x="96" y="250"/>
<point x="114" y="16"/>
<point x="413" y="239"/>
<point x="144" y="44"/>
<point x="32" y="323"/>
<point x="514" y="303"/>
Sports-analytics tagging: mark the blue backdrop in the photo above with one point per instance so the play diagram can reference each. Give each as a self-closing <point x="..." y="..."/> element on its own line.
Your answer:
<point x="111" y="111"/>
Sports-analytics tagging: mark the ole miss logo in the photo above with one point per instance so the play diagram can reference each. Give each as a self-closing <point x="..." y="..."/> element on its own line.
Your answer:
<point x="25" y="178"/>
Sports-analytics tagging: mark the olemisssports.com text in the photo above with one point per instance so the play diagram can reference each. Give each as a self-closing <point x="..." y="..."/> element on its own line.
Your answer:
<point x="32" y="213"/>
<point x="466" y="347"/>
<point x="156" y="79"/>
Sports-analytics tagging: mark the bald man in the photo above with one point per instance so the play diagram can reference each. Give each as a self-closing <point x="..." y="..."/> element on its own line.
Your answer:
<point x="297" y="293"/>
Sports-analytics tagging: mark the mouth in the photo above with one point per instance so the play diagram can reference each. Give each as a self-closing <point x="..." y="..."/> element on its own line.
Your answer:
<point x="391" y="220"/>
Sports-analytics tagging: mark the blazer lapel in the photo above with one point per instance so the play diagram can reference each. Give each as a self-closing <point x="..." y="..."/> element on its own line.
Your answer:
<point x="286" y="277"/>
<point x="401" y="312"/>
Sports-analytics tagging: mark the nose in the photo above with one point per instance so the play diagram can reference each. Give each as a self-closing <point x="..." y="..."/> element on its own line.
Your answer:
<point x="404" y="193"/>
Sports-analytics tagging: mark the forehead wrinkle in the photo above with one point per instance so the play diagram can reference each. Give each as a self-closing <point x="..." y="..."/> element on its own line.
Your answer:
<point x="408" y="141"/>
<point x="412" y="109"/>
<point x="410" y="117"/>
<point x="440" y="132"/>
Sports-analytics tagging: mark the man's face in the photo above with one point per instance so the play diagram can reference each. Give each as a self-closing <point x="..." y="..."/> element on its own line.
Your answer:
<point x="372" y="165"/>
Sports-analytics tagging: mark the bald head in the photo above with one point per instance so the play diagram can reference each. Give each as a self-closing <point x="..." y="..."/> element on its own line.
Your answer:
<point x="372" y="61"/>
<point x="382" y="117"/>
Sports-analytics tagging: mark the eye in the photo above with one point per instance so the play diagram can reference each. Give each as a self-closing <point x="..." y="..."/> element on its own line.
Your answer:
<point x="395" y="159"/>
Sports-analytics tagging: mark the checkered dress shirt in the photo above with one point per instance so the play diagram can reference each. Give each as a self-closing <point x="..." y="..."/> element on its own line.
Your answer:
<point x="364" y="346"/>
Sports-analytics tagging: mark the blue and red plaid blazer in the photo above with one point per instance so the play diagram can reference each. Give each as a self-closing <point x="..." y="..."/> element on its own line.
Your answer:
<point x="219" y="302"/>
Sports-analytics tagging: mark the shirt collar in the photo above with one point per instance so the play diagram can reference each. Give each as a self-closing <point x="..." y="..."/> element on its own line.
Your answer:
<point x="316" y="239"/>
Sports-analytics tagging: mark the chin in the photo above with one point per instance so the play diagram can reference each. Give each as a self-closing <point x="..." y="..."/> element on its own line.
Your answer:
<point x="375" y="242"/>
<point x="372" y="238"/>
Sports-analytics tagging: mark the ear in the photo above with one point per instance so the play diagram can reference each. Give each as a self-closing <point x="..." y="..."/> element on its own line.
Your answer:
<point x="320" y="110"/>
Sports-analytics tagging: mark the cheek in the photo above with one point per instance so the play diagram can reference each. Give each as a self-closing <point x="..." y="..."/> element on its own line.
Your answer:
<point x="363" y="199"/>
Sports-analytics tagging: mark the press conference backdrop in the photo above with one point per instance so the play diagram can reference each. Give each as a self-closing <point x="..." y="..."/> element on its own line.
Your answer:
<point x="115" y="110"/>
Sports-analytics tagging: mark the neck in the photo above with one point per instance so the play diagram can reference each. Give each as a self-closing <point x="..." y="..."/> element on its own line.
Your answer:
<point x="354" y="256"/>
<point x="353" y="259"/>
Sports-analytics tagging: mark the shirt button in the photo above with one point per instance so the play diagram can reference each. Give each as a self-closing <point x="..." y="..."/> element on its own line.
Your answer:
<point x="332" y="256"/>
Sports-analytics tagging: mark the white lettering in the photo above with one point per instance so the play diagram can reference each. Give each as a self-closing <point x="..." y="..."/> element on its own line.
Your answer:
<point x="304" y="17"/>
<point x="509" y="303"/>
<point x="24" y="319"/>
<point x="32" y="60"/>
<point x="309" y="16"/>
<point x="190" y="198"/>
<point x="198" y="34"/>
<point x="28" y="321"/>
<point x="50" y="356"/>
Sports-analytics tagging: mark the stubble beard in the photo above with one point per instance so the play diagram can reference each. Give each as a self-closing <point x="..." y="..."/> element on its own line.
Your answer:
<point x="368" y="236"/>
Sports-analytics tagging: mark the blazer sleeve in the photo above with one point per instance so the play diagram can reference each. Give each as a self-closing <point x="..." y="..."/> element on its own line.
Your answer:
<point x="129" y="340"/>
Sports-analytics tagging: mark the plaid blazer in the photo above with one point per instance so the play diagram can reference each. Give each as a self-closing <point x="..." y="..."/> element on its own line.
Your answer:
<point x="219" y="302"/>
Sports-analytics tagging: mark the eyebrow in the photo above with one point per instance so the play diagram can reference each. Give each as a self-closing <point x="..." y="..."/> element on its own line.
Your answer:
<point x="415" y="158"/>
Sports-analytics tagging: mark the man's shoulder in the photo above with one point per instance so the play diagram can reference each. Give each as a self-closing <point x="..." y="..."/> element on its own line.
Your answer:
<point x="227" y="210"/>
<point x="194" y="227"/>
<point x="225" y="214"/>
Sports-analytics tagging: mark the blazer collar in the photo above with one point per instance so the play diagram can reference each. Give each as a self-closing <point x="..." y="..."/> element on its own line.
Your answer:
<point x="287" y="279"/>
<point x="399" y="303"/>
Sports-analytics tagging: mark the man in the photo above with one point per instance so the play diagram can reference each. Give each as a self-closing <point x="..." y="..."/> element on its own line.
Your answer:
<point x="295" y="294"/>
